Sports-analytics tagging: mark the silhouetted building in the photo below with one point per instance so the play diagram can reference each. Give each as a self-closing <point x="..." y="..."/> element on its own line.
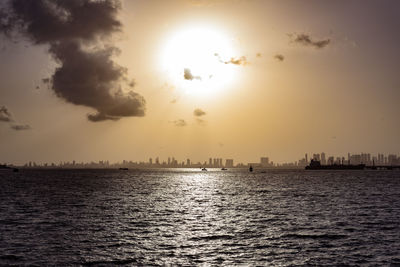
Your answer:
<point x="323" y="158"/>
<point x="229" y="163"/>
<point x="264" y="161"/>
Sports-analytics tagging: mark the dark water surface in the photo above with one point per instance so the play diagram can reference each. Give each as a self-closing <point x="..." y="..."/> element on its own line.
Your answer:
<point x="189" y="217"/>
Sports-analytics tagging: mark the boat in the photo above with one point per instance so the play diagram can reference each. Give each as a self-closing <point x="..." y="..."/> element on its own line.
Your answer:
<point x="204" y="169"/>
<point x="316" y="165"/>
<point x="224" y="169"/>
<point x="123" y="169"/>
<point x="251" y="169"/>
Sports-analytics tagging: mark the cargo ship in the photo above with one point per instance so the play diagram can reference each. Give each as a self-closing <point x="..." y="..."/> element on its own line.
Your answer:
<point x="316" y="165"/>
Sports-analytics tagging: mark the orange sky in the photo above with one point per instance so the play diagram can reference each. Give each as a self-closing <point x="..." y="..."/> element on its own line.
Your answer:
<point x="269" y="78"/>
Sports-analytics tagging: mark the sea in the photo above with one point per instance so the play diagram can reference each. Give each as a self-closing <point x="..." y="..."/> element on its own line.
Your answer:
<point x="189" y="217"/>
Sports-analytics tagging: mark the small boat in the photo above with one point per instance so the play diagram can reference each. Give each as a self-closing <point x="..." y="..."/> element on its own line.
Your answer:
<point x="224" y="169"/>
<point x="204" y="169"/>
<point x="251" y="169"/>
<point x="123" y="169"/>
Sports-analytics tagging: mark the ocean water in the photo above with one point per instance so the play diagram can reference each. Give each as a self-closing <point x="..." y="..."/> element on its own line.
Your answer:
<point x="187" y="217"/>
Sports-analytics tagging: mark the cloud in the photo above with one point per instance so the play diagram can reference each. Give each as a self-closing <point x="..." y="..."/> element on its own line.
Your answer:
<point x="46" y="80"/>
<point x="101" y="117"/>
<point x="76" y="32"/>
<point x="200" y="122"/>
<point x="236" y="61"/>
<point x="5" y="115"/>
<point x="179" y="123"/>
<point x="279" y="57"/>
<point x="307" y="40"/>
<point x="187" y="75"/>
<point x="258" y="55"/>
<point x="173" y="101"/>
<point x="199" y="112"/>
<point x="20" y="127"/>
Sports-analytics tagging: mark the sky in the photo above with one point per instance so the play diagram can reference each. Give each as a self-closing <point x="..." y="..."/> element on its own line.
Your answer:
<point x="128" y="80"/>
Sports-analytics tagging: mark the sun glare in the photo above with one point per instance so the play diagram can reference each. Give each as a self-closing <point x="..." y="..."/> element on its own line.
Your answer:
<point x="194" y="60"/>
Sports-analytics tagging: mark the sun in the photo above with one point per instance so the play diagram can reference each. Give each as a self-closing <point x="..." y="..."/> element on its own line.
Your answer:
<point x="194" y="59"/>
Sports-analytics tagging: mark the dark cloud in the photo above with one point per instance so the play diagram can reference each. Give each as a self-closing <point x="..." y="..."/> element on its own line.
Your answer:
<point x="101" y="117"/>
<point x="307" y="40"/>
<point x="279" y="57"/>
<point x="92" y="79"/>
<point x="199" y="112"/>
<point x="5" y="115"/>
<point x="75" y="31"/>
<point x="179" y="123"/>
<point x="46" y="80"/>
<point x="20" y="127"/>
<point x="187" y="75"/>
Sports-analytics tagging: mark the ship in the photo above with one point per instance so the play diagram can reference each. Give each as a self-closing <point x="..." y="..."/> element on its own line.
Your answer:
<point x="316" y="165"/>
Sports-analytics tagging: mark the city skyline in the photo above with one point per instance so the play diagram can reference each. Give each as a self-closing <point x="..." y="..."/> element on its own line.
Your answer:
<point x="264" y="162"/>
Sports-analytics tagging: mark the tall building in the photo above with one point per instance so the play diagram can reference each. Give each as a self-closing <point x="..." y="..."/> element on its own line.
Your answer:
<point x="264" y="161"/>
<point x="316" y="157"/>
<point x="229" y="163"/>
<point x="323" y="158"/>
<point x="215" y="162"/>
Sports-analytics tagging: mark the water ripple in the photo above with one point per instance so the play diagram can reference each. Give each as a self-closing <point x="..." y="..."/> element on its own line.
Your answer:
<point x="188" y="217"/>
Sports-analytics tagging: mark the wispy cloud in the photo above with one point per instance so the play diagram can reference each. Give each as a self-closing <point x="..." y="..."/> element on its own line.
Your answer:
<point x="201" y="121"/>
<point x="307" y="40"/>
<point x="20" y="127"/>
<point x="179" y="123"/>
<point x="235" y="61"/>
<point x="6" y="117"/>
